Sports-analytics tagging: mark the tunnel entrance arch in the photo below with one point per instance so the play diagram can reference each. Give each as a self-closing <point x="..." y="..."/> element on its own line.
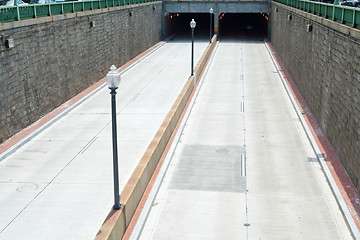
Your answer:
<point x="178" y="25"/>
<point x="244" y="26"/>
<point x="202" y="8"/>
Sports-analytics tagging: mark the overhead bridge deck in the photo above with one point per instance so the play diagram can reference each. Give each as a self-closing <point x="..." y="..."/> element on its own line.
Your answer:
<point x="229" y="6"/>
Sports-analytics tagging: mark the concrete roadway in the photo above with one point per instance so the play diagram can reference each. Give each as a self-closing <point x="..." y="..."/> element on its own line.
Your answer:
<point x="242" y="112"/>
<point x="59" y="185"/>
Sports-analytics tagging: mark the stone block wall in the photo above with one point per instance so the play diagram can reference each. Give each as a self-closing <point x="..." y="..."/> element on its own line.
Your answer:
<point x="325" y="65"/>
<point x="55" y="58"/>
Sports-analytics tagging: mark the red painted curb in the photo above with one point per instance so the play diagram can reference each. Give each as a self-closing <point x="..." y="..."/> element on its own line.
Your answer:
<point x="7" y="144"/>
<point x="343" y="182"/>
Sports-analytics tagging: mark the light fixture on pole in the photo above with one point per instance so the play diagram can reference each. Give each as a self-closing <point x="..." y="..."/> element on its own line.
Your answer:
<point x="113" y="80"/>
<point x="192" y="25"/>
<point x="211" y="13"/>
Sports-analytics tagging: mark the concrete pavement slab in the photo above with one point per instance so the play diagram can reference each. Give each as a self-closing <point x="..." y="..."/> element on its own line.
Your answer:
<point x="194" y="215"/>
<point x="207" y="130"/>
<point x="210" y="168"/>
<point x="19" y="194"/>
<point x="270" y="219"/>
<point x="41" y="220"/>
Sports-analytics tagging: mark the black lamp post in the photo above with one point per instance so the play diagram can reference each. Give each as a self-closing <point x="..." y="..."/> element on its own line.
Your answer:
<point x="192" y="25"/>
<point x="113" y="80"/>
<point x="211" y="13"/>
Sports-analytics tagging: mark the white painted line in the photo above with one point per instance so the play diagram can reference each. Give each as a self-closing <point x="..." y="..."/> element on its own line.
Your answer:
<point x="242" y="107"/>
<point x="19" y="144"/>
<point x="150" y="200"/>
<point x="241" y="77"/>
<point x="339" y="198"/>
<point x="243" y="165"/>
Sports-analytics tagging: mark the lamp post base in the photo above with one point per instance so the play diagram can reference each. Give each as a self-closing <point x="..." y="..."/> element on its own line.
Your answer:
<point x="117" y="206"/>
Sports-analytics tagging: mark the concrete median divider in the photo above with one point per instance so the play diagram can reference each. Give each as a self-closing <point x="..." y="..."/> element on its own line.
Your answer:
<point x="117" y="221"/>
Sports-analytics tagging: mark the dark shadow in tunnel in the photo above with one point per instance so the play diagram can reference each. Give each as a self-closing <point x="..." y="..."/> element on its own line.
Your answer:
<point x="244" y="26"/>
<point x="232" y="26"/>
<point x="177" y="26"/>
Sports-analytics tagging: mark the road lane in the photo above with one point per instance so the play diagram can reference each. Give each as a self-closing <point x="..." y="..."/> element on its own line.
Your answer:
<point x="284" y="195"/>
<point x="59" y="185"/>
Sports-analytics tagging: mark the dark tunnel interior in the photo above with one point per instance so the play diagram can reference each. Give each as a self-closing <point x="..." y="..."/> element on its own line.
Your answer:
<point x="232" y="26"/>
<point x="248" y="26"/>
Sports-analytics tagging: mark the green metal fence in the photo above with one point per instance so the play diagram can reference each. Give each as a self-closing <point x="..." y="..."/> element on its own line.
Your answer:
<point x="9" y="14"/>
<point x="346" y="15"/>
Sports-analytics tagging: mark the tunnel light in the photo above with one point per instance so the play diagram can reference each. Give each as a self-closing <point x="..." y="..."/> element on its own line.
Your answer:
<point x="221" y="16"/>
<point x="9" y="43"/>
<point x="309" y="27"/>
<point x="211" y="10"/>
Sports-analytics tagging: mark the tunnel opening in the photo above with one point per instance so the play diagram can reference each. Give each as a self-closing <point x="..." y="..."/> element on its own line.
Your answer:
<point x="244" y="26"/>
<point x="177" y="26"/>
<point x="231" y="26"/>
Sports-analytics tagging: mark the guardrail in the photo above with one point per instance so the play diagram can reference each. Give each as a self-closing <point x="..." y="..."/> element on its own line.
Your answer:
<point x="349" y="16"/>
<point x="9" y="14"/>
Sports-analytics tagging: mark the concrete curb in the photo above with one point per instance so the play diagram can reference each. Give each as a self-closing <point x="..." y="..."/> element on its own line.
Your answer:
<point x="117" y="222"/>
